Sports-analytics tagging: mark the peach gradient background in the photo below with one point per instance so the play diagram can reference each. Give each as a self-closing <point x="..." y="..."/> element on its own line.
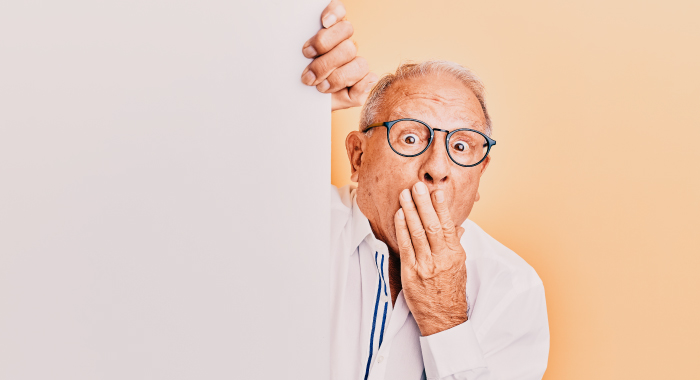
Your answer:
<point x="595" y="178"/>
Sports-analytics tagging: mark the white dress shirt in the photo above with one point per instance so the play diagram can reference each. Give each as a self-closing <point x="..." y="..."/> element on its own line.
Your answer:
<point x="505" y="337"/>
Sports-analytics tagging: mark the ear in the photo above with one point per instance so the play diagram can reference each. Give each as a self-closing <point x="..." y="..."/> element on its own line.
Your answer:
<point x="355" y="145"/>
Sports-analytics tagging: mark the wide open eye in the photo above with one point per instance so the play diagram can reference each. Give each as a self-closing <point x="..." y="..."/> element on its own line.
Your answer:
<point x="460" y="146"/>
<point x="467" y="147"/>
<point x="410" y="139"/>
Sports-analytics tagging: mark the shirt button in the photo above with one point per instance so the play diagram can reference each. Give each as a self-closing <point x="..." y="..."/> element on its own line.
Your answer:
<point x="379" y="359"/>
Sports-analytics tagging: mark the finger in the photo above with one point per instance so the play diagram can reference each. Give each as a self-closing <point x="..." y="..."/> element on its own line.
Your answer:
<point x="403" y="237"/>
<point x="460" y="232"/>
<point x="321" y="67"/>
<point x="354" y="96"/>
<point x="345" y="76"/>
<point x="428" y="216"/>
<point x="334" y="11"/>
<point x="415" y="228"/>
<point x="327" y="39"/>
<point x="449" y="229"/>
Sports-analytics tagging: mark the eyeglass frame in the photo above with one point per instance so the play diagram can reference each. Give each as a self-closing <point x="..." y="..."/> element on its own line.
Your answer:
<point x="388" y="124"/>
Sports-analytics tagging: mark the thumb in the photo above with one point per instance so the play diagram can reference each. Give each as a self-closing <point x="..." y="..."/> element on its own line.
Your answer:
<point x="460" y="232"/>
<point x="354" y="96"/>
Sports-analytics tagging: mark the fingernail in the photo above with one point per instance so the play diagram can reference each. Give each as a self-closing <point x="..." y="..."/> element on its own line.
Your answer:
<point x="439" y="196"/>
<point x="324" y="86"/>
<point x="329" y="21"/>
<point x="400" y="213"/>
<point x="309" y="52"/>
<point x="406" y="195"/>
<point x="308" y="77"/>
<point x="421" y="188"/>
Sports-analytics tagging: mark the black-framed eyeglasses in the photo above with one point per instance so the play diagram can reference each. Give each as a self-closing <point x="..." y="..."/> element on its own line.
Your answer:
<point x="411" y="137"/>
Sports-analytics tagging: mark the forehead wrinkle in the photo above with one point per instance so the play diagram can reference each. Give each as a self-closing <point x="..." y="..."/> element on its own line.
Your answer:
<point x="428" y="100"/>
<point x="410" y="89"/>
<point x="463" y="118"/>
<point x="444" y="105"/>
<point x="447" y="96"/>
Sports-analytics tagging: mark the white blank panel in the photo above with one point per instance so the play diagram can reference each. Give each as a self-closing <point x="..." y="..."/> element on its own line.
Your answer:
<point x="163" y="191"/>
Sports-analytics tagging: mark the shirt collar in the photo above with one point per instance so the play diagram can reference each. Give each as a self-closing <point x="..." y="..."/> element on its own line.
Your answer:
<point x="359" y="223"/>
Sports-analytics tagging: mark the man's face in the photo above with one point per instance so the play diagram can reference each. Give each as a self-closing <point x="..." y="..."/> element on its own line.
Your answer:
<point x="441" y="102"/>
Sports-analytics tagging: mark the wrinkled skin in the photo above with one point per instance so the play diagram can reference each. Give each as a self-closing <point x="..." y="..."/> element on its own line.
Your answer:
<point x="422" y="229"/>
<point x="442" y="102"/>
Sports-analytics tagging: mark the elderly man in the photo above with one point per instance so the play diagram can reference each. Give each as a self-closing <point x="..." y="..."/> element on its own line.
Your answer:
<point x="418" y="290"/>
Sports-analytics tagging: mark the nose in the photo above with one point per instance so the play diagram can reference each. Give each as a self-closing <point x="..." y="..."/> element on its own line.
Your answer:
<point x="436" y="167"/>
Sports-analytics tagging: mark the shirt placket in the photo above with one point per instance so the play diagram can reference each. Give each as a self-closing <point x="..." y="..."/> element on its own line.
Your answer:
<point x="395" y="318"/>
<point x="381" y="307"/>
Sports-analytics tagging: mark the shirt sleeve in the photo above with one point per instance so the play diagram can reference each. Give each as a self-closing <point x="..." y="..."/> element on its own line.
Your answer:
<point x="512" y="342"/>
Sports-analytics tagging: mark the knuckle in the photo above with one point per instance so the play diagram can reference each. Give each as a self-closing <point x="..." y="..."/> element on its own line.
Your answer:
<point x="418" y="234"/>
<point x="323" y="41"/>
<point x="347" y="28"/>
<point x="427" y="271"/>
<point x="449" y="227"/>
<point x="348" y="49"/>
<point x="357" y="70"/>
<point x="432" y="228"/>
<point x="338" y="78"/>
<point x="320" y="67"/>
<point x="362" y="65"/>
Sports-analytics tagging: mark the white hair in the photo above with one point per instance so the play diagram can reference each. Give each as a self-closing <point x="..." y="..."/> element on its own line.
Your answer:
<point x="416" y="70"/>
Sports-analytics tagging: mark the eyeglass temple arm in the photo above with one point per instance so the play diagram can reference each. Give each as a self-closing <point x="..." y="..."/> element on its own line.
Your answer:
<point x="374" y="125"/>
<point x="491" y="142"/>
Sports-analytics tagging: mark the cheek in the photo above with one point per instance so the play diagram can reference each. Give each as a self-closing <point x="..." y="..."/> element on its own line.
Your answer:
<point x="465" y="193"/>
<point x="383" y="176"/>
<point x="380" y="183"/>
<point x="389" y="171"/>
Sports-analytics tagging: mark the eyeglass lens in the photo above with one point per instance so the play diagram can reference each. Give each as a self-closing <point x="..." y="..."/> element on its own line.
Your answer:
<point x="411" y="138"/>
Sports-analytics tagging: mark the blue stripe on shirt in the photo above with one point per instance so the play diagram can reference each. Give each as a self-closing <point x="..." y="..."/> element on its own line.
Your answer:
<point x="374" y="319"/>
<point x="381" y="333"/>
<point x="383" y="279"/>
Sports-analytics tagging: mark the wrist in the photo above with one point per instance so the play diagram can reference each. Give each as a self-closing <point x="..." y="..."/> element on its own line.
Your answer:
<point x="438" y="324"/>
